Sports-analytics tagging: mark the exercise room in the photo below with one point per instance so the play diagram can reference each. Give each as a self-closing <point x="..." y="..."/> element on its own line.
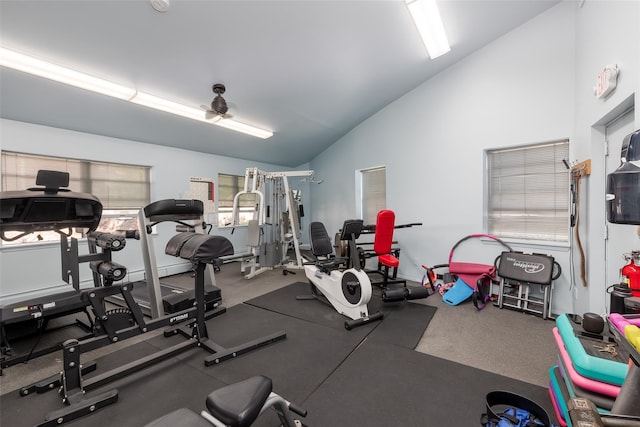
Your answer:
<point x="320" y="213"/>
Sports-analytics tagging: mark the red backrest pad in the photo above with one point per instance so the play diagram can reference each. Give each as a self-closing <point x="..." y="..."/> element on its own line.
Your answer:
<point x="385" y="222"/>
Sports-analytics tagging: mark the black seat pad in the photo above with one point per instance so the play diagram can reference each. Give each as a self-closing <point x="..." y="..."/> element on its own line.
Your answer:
<point x="239" y="404"/>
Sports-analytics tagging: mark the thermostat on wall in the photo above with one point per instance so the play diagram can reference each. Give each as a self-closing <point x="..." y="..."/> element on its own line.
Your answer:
<point x="606" y="81"/>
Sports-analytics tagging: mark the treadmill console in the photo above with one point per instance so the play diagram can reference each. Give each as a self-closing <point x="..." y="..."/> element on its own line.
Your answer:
<point x="48" y="208"/>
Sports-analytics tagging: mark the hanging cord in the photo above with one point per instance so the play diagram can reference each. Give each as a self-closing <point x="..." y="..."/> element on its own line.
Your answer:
<point x="41" y="324"/>
<point x="575" y="176"/>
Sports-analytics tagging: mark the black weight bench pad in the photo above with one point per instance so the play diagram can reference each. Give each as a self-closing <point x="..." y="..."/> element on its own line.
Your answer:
<point x="172" y="209"/>
<point x="198" y="247"/>
<point x="182" y="417"/>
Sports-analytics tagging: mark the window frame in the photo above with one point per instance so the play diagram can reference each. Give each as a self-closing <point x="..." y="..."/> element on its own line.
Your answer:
<point x="561" y="194"/>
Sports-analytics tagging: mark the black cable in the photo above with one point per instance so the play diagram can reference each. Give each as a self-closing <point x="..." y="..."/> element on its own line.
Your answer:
<point x="35" y="345"/>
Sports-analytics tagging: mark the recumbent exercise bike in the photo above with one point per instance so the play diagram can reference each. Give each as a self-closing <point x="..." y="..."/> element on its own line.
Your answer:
<point x="339" y="281"/>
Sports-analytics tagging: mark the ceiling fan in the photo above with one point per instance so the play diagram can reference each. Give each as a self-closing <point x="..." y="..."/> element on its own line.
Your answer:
<point x="218" y="109"/>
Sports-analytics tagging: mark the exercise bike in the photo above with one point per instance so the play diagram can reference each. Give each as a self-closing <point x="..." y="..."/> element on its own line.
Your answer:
<point x="337" y="280"/>
<point x="237" y="405"/>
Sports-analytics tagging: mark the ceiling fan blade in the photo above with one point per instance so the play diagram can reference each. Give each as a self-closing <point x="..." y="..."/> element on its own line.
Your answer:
<point x="212" y="117"/>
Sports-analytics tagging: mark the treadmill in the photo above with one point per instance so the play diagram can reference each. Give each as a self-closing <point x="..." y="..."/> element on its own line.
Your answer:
<point x="50" y="207"/>
<point x="154" y="297"/>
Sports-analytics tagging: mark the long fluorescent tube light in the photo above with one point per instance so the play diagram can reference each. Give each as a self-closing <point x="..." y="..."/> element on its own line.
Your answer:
<point x="427" y="18"/>
<point x="28" y="64"/>
<point x="241" y="127"/>
<point x="165" y="105"/>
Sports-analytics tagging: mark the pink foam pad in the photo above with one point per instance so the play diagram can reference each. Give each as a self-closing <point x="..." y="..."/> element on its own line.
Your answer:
<point x="556" y="409"/>
<point x="470" y="272"/>
<point x="579" y="380"/>
<point x="619" y="321"/>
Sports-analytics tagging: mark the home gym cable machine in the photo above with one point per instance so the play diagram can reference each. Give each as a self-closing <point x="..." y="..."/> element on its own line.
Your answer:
<point x="275" y="225"/>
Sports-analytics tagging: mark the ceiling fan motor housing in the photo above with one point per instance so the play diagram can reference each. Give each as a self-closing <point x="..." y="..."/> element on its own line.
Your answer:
<point x="219" y="105"/>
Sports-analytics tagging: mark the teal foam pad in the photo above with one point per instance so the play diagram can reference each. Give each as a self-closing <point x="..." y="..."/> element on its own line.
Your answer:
<point x="458" y="293"/>
<point x="596" y="368"/>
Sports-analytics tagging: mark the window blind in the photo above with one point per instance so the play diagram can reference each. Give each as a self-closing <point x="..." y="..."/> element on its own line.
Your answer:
<point x="374" y="193"/>
<point x="228" y="187"/>
<point x="116" y="185"/>
<point x="528" y="192"/>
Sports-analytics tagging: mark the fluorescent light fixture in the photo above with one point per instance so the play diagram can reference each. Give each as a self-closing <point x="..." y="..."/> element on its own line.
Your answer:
<point x="241" y="127"/>
<point x="28" y="64"/>
<point x="161" y="104"/>
<point x="152" y="101"/>
<point x="427" y="18"/>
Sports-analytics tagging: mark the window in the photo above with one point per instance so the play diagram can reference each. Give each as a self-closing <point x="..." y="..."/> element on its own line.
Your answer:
<point x="528" y="192"/>
<point x="118" y="186"/>
<point x="374" y="193"/>
<point x="228" y="187"/>
<point x="203" y="189"/>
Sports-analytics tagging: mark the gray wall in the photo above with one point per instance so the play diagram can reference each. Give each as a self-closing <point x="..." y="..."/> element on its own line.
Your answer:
<point x="531" y="85"/>
<point x="31" y="270"/>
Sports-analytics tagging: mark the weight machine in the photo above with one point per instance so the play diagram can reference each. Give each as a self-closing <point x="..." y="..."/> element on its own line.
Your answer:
<point x="275" y="225"/>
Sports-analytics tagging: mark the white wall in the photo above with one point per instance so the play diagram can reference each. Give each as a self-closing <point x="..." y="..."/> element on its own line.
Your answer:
<point x="35" y="269"/>
<point x="517" y="90"/>
<point x="606" y="33"/>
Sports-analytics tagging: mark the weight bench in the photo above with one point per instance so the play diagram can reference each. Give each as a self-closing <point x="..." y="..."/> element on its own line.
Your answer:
<point x="236" y="405"/>
<point x="520" y="271"/>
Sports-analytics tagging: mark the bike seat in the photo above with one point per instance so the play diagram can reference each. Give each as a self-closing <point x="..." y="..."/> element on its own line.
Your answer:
<point x="239" y="404"/>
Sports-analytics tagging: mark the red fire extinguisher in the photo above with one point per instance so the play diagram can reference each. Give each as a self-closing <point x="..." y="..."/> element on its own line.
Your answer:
<point x="631" y="272"/>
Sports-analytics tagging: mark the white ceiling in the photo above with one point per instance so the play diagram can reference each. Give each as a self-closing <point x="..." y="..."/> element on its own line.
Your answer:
<point x="308" y="70"/>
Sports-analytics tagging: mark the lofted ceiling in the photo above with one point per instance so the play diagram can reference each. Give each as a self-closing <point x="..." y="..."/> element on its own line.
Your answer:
<point x="310" y="71"/>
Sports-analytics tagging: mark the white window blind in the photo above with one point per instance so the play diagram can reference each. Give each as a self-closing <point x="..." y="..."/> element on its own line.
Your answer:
<point x="374" y="193"/>
<point x="116" y="185"/>
<point x="528" y="192"/>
